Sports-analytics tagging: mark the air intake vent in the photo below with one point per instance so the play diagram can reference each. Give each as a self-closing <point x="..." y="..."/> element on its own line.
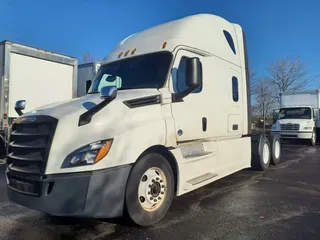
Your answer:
<point x="145" y="101"/>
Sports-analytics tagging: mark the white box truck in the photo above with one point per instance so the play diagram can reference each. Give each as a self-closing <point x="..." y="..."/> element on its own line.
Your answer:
<point x="298" y="117"/>
<point x="38" y="76"/>
<point x="168" y="112"/>
<point x="86" y="74"/>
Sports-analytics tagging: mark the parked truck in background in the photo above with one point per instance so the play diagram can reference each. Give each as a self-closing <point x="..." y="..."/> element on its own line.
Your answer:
<point x="168" y="112"/>
<point x="86" y="74"/>
<point x="298" y="116"/>
<point x="38" y="76"/>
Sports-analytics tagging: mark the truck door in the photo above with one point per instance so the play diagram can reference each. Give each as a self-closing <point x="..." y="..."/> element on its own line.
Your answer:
<point x="190" y="115"/>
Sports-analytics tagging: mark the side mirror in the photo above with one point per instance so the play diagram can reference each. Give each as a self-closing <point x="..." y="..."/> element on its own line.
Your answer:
<point x="275" y="115"/>
<point x="19" y="106"/>
<point x="108" y="93"/>
<point x="193" y="73"/>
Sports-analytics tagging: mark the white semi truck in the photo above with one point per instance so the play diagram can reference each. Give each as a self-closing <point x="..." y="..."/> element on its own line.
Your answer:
<point x="86" y="74"/>
<point x="298" y="117"/>
<point x="38" y="76"/>
<point x="167" y="113"/>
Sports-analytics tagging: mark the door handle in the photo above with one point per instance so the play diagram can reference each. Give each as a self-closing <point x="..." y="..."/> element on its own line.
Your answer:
<point x="204" y="124"/>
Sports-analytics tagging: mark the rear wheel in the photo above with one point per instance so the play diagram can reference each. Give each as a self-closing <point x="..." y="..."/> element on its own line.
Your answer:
<point x="261" y="154"/>
<point x="275" y="144"/>
<point x="313" y="138"/>
<point x="149" y="190"/>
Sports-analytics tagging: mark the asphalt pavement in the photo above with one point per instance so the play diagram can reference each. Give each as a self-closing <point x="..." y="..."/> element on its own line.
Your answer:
<point x="281" y="203"/>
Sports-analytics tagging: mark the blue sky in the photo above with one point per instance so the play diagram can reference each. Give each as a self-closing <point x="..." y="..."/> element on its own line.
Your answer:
<point x="274" y="28"/>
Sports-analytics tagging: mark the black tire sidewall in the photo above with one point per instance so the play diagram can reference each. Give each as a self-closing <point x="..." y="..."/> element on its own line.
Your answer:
<point x="2" y="148"/>
<point x="132" y="205"/>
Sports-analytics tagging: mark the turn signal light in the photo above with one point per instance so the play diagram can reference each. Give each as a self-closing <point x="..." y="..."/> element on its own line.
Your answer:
<point x="5" y="116"/>
<point x="103" y="151"/>
<point x="164" y="45"/>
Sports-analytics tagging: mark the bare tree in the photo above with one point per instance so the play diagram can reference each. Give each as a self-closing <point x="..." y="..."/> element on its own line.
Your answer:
<point x="264" y="101"/>
<point x="87" y="57"/>
<point x="288" y="75"/>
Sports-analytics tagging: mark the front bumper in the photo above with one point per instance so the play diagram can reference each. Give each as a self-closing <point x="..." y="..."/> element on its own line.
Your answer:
<point x="96" y="194"/>
<point x="294" y="135"/>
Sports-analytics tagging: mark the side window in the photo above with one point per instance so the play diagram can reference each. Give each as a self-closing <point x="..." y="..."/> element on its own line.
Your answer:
<point x="235" y="89"/>
<point x="88" y="85"/>
<point x="180" y="84"/>
<point x="229" y="40"/>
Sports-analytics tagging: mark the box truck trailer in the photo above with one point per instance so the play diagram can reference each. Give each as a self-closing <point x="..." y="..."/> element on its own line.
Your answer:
<point x="37" y="76"/>
<point x="168" y="112"/>
<point x="298" y="116"/>
<point x="86" y="74"/>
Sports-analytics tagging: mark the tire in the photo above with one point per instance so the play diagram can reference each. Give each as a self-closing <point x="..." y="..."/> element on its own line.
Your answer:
<point x="2" y="148"/>
<point x="313" y="139"/>
<point x="261" y="154"/>
<point x="149" y="173"/>
<point x="275" y="143"/>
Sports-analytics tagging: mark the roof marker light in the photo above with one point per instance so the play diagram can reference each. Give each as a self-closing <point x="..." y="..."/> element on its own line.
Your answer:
<point x="127" y="52"/>
<point x="120" y="54"/>
<point x="164" y="45"/>
<point x="133" y="51"/>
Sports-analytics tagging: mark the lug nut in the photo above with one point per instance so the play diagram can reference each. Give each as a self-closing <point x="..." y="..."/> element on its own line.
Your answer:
<point x="155" y="200"/>
<point x="149" y="193"/>
<point x="161" y="181"/>
<point x="151" y="198"/>
<point x="157" y="179"/>
<point x="162" y="192"/>
<point x="162" y="186"/>
<point x="153" y="180"/>
<point x="159" y="198"/>
<point x="149" y="186"/>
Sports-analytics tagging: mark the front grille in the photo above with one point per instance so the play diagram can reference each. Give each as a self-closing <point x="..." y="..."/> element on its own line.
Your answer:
<point x="290" y="127"/>
<point x="28" y="150"/>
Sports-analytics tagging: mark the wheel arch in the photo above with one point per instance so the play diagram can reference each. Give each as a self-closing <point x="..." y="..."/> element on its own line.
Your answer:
<point x="164" y="151"/>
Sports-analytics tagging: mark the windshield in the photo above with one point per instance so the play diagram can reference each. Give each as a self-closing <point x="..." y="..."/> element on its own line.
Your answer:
<point x="145" y="71"/>
<point x="295" y="113"/>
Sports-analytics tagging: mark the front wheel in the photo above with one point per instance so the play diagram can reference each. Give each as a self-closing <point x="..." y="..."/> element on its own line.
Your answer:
<point x="313" y="139"/>
<point x="149" y="190"/>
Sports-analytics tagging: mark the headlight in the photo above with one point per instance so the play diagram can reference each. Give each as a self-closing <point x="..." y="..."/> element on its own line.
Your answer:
<point x="307" y="128"/>
<point x="88" y="155"/>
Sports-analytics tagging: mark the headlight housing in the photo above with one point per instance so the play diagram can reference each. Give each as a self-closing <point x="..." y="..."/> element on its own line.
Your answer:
<point x="88" y="155"/>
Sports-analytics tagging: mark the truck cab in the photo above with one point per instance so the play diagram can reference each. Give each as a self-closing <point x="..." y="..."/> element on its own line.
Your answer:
<point x="167" y="113"/>
<point x="298" y="117"/>
<point x="296" y="122"/>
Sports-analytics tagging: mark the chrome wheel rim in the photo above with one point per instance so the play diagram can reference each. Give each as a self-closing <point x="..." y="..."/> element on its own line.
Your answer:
<point x="266" y="153"/>
<point x="152" y="189"/>
<point x="313" y="138"/>
<point x="277" y="149"/>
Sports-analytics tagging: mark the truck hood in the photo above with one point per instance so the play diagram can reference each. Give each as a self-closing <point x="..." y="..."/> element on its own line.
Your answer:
<point x="83" y="104"/>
